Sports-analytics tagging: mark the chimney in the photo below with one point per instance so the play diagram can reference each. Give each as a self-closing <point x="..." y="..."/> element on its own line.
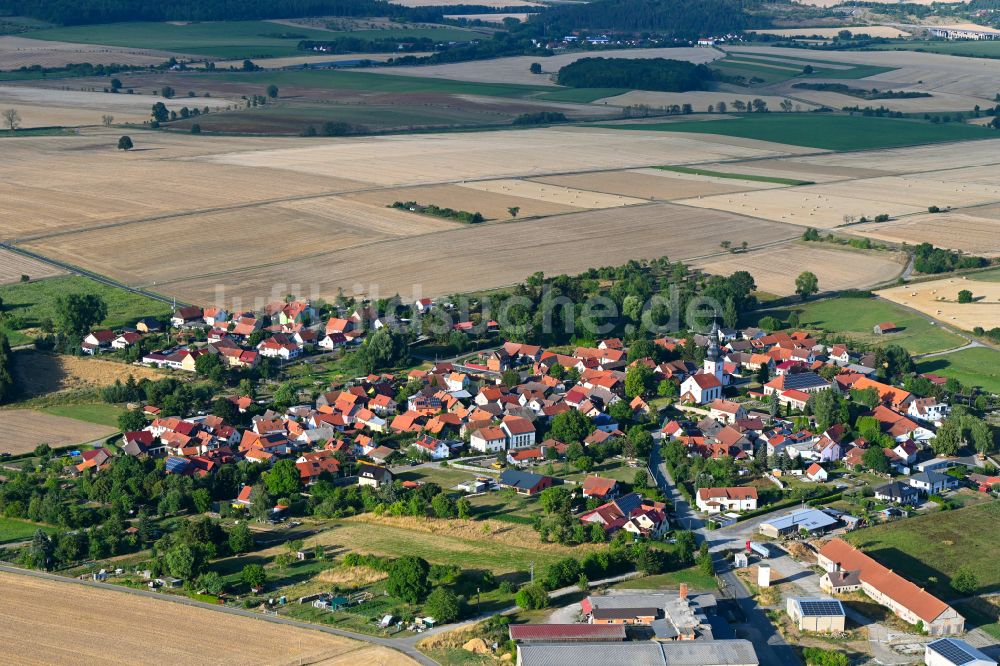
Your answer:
<point x="683" y="591"/>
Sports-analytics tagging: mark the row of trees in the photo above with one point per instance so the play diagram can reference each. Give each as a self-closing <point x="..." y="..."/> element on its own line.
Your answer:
<point x="7" y="384"/>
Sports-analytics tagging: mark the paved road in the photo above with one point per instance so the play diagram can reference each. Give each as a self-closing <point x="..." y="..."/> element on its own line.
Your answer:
<point x="402" y="646"/>
<point x="772" y="650"/>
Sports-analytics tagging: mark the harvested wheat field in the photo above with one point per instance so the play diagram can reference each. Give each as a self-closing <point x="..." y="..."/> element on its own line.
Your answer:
<point x="321" y="225"/>
<point x="14" y="265"/>
<point x="43" y="625"/>
<point x="939" y="299"/>
<point x="938" y="158"/>
<point x="558" y="194"/>
<point x="516" y="69"/>
<point x="826" y="205"/>
<point x="493" y="206"/>
<point x="39" y="374"/>
<point x="17" y="52"/>
<point x="452" y="158"/>
<point x="654" y="184"/>
<point x="53" y="184"/>
<point x="938" y="101"/>
<point x="24" y="429"/>
<point x="963" y="231"/>
<point x="798" y="169"/>
<point x="560" y="244"/>
<point x="774" y="269"/>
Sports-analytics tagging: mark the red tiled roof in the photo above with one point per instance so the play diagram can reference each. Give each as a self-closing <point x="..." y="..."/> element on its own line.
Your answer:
<point x="577" y="631"/>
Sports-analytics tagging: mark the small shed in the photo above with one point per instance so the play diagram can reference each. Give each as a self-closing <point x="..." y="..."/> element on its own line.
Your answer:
<point x="741" y="560"/>
<point x="821" y="615"/>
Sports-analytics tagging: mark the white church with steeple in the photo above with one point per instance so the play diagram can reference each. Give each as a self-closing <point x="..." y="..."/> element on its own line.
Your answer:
<point x="706" y="385"/>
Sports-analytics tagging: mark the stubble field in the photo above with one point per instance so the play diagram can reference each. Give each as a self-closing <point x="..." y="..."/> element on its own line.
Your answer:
<point x="16" y="52"/>
<point x="43" y="625"/>
<point x="775" y="268"/>
<point x="40" y="374"/>
<point x="13" y="266"/>
<point x="653" y="184"/>
<point x="493" y="206"/>
<point x="939" y="299"/>
<point x="24" y="429"/>
<point x="966" y="231"/>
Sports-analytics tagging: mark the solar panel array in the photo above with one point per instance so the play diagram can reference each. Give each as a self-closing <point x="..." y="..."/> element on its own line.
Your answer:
<point x="814" y="607"/>
<point x="952" y="652"/>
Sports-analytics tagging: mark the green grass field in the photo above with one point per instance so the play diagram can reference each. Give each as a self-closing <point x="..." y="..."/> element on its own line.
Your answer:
<point x="12" y="529"/>
<point x="857" y="317"/>
<point x="823" y="130"/>
<point x="972" y="367"/>
<point x="977" y="49"/>
<point x="929" y="549"/>
<point x="32" y="302"/>
<point x="226" y="39"/>
<point x="100" y="413"/>
<point x="693" y="576"/>
<point x="736" y="176"/>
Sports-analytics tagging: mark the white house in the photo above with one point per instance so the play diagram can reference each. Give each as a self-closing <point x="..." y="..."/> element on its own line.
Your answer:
<point x="932" y="483"/>
<point x="717" y="500"/>
<point x="726" y="411"/>
<point x="97" y="341"/>
<point x="816" y="473"/>
<point x="928" y="409"/>
<point x="332" y="341"/>
<point x="456" y="381"/>
<point x="423" y="305"/>
<point x="435" y="448"/>
<point x="488" y="440"/>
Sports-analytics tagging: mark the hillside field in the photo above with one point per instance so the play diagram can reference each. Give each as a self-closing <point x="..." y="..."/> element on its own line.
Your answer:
<point x="972" y="367"/>
<point x="829" y="132"/>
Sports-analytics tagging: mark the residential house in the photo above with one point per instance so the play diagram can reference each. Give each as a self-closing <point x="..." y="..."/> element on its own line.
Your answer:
<point x="815" y="472"/>
<point x="717" y="500"/>
<point x="373" y="475"/>
<point x="600" y="487"/>
<point x="149" y="325"/>
<point x="726" y="411"/>
<point x="97" y="341"/>
<point x="488" y="440"/>
<point x="630" y="513"/>
<point x="932" y="483"/>
<point x="898" y="493"/>
<point x="187" y="317"/>
<point x="928" y="410"/>
<point x="436" y="449"/>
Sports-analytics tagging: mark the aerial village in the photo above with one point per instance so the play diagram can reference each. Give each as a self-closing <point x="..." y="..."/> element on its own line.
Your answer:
<point x="763" y="443"/>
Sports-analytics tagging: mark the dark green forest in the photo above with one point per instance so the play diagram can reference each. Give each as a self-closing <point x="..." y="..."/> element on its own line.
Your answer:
<point x="639" y="74"/>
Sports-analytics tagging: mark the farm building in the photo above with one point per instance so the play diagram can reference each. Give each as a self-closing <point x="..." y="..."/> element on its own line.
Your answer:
<point x="813" y="521"/>
<point x="820" y="615"/>
<point x="651" y="653"/>
<point x="905" y="599"/>
<point x="953" y="652"/>
<point x="567" y="633"/>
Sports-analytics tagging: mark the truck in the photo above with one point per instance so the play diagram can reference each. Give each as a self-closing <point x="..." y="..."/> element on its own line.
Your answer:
<point x="759" y="548"/>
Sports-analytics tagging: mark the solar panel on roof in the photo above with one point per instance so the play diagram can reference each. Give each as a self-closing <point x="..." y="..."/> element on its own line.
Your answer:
<point x="820" y="608"/>
<point x="952" y="652"/>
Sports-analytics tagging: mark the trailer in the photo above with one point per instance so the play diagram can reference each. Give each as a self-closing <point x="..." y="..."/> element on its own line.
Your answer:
<point x="761" y="549"/>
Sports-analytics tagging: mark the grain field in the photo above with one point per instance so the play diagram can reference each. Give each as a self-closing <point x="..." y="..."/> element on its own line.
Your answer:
<point x="43" y="624"/>
<point x="939" y="299"/>
<point x="14" y="265"/>
<point x="963" y="231"/>
<point x="24" y="429"/>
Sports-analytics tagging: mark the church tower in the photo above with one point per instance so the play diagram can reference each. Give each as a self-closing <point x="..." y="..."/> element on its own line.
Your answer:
<point x="713" y="362"/>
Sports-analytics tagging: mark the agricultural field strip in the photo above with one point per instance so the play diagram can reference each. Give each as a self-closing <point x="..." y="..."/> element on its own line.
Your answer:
<point x="395" y="265"/>
<point x="25" y="429"/>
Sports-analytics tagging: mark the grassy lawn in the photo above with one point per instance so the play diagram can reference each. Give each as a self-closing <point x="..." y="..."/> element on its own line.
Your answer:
<point x="929" y="549"/>
<point x="824" y="130"/>
<point x="611" y="469"/>
<point x="857" y="316"/>
<point x="736" y="176"/>
<point x="693" y="576"/>
<point x="227" y="39"/>
<point x="33" y="302"/>
<point x="12" y="529"/>
<point x="973" y="367"/>
<point x="445" y="477"/>
<point x="100" y="413"/>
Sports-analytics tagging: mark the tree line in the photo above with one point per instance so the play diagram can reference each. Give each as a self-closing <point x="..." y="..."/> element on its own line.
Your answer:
<point x="7" y="386"/>
<point x="637" y="74"/>
<point x="686" y="19"/>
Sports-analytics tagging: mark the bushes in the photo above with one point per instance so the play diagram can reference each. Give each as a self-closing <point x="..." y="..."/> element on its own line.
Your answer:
<point x="449" y="213"/>
<point x="540" y="118"/>
<point x="376" y="562"/>
<point x="532" y="597"/>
